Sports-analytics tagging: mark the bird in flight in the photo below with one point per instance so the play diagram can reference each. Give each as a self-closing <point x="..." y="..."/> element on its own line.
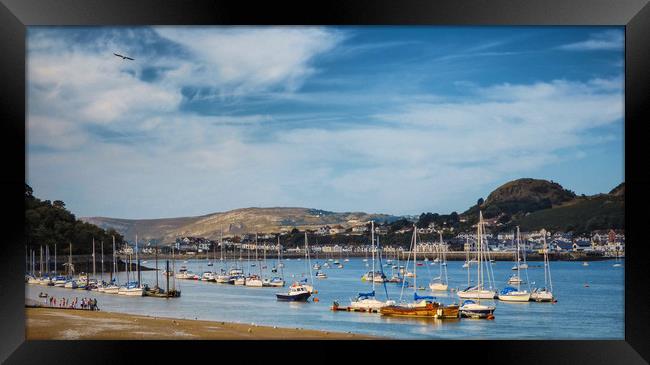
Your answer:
<point x="123" y="57"/>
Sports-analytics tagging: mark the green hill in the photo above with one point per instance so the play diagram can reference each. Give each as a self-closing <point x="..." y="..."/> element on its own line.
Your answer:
<point x="49" y="223"/>
<point x="534" y="204"/>
<point x="586" y="214"/>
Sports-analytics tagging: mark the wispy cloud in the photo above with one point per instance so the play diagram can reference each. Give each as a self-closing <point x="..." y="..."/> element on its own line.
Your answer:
<point x="610" y="40"/>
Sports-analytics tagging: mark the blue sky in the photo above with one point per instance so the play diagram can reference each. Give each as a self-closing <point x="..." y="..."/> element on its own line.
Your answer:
<point x="397" y="120"/>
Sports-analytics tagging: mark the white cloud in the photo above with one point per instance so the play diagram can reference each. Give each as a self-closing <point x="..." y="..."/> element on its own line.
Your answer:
<point x="241" y="60"/>
<point x="610" y="40"/>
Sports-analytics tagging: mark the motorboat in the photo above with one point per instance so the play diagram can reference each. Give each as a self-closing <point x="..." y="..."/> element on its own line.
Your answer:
<point x="297" y="293"/>
<point x="239" y="280"/>
<point x="471" y="309"/>
<point x="208" y="276"/>
<point x="254" y="281"/>
<point x="515" y="279"/>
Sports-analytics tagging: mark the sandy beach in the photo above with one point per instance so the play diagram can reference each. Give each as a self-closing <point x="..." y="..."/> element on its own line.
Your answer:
<point x="62" y="324"/>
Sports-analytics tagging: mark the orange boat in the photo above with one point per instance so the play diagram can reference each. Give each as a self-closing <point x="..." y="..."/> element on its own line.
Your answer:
<point x="425" y="308"/>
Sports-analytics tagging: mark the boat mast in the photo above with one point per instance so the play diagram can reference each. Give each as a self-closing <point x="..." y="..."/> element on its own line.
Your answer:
<point x="280" y="259"/>
<point x="479" y="233"/>
<point x="173" y="269"/>
<point x="156" y="252"/>
<point x="311" y="278"/>
<point x="70" y="261"/>
<point x="115" y="263"/>
<point x="94" y="271"/>
<point x="102" y="252"/>
<point x="372" y="247"/>
<point x="517" y="263"/>
<point x="415" y="258"/>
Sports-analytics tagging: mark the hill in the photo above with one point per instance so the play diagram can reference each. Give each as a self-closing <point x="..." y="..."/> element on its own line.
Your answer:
<point x="534" y="204"/>
<point x="520" y="196"/>
<point x="234" y="222"/>
<point x="603" y="211"/>
<point x="50" y="223"/>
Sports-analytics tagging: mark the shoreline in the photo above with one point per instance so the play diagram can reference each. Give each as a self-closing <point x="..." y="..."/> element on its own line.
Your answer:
<point x="57" y="324"/>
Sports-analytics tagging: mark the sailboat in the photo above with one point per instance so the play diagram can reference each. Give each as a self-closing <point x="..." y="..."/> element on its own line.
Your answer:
<point x="515" y="278"/>
<point x="299" y="291"/>
<point x="368" y="301"/>
<point x="112" y="288"/>
<point x="438" y="284"/>
<point x="255" y="280"/>
<point x="223" y="277"/>
<point x="470" y="308"/>
<point x="518" y="264"/>
<point x="479" y="291"/>
<point x="376" y="276"/>
<point x="278" y="281"/>
<point x="70" y="282"/>
<point x="618" y="260"/>
<point x="511" y="294"/>
<point x="422" y="306"/>
<point x="544" y="294"/>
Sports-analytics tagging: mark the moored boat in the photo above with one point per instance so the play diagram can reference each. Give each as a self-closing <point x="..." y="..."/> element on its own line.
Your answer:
<point x="297" y="293"/>
<point x="471" y="309"/>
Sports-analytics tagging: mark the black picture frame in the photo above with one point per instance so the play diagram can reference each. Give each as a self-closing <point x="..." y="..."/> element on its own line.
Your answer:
<point x="15" y="15"/>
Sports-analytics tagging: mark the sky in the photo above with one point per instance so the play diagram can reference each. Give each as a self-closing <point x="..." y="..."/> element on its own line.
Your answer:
<point x="395" y="120"/>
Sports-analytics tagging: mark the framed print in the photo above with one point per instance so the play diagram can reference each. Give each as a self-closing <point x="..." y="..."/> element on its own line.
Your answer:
<point x="359" y="172"/>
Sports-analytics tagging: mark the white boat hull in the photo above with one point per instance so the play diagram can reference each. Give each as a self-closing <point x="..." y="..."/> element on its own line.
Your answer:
<point x="515" y="297"/>
<point x="438" y="287"/>
<point x="111" y="289"/>
<point x="224" y="279"/>
<point x="544" y="296"/>
<point x="475" y="294"/>
<point x="370" y="304"/>
<point x="257" y="283"/>
<point x="474" y="310"/>
<point x="137" y="292"/>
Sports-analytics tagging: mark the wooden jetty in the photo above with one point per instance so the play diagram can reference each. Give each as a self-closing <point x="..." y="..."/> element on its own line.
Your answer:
<point x="336" y="307"/>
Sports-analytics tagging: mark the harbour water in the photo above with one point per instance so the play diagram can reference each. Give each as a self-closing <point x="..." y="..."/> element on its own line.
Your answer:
<point x="590" y="301"/>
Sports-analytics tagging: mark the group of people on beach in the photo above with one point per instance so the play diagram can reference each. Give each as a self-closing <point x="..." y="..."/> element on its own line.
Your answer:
<point x="84" y="303"/>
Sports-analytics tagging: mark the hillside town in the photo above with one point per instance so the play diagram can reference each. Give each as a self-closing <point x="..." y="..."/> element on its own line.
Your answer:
<point x="607" y="243"/>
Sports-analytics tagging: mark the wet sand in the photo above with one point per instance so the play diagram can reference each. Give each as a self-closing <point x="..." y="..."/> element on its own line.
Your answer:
<point x="65" y="324"/>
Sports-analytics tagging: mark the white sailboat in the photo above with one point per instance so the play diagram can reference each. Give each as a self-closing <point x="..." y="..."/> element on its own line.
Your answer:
<point x="479" y="291"/>
<point x="278" y="281"/>
<point x="544" y="294"/>
<point x="112" y="288"/>
<point x="223" y="277"/>
<point x="368" y="301"/>
<point x="254" y="280"/>
<point x="470" y="308"/>
<point x="510" y="294"/>
<point x="441" y="283"/>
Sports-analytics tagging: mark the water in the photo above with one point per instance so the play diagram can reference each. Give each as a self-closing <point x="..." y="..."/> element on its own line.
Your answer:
<point x="594" y="312"/>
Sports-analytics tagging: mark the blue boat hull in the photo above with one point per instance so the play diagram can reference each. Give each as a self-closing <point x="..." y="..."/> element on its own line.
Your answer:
<point x="302" y="297"/>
